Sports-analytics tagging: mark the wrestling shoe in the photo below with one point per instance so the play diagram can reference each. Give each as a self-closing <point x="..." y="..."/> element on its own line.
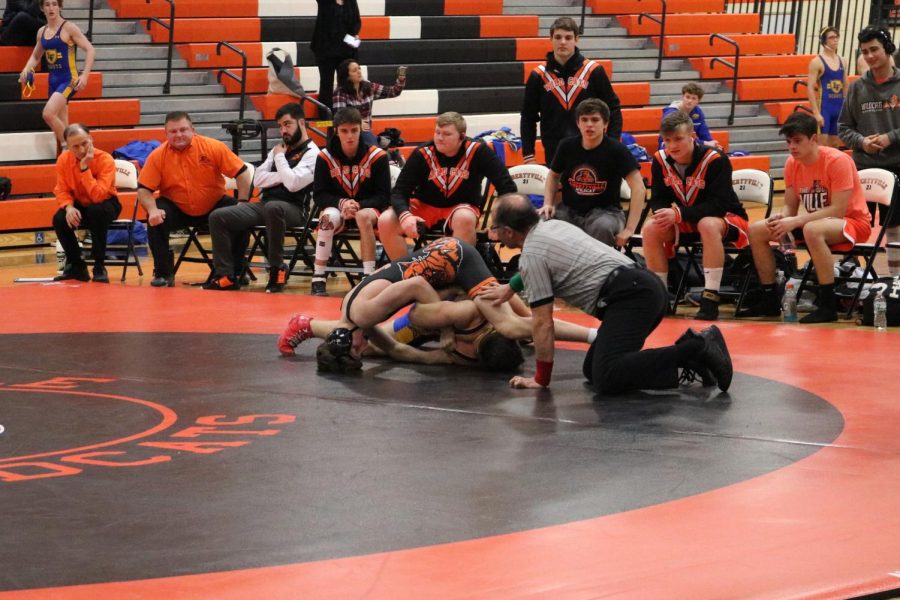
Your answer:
<point x="298" y="330"/>
<point x="709" y="306"/>
<point x="695" y="368"/>
<point x="318" y="287"/>
<point x="716" y="358"/>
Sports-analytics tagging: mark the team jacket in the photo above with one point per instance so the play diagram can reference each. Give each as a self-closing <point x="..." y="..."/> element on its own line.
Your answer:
<point x="365" y="177"/>
<point x="553" y="91"/>
<point x="705" y="190"/>
<point x="445" y="181"/>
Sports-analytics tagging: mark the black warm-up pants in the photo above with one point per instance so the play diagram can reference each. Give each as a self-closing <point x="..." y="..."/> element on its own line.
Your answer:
<point x="96" y="219"/>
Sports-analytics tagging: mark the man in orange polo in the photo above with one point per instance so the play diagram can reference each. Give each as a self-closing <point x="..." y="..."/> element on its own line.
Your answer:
<point x="187" y="170"/>
<point x="86" y="192"/>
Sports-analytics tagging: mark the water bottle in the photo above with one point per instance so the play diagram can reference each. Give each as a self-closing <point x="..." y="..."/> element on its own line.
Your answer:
<point x="880" y="312"/>
<point x="789" y="304"/>
<point x="780" y="281"/>
<point x="787" y="244"/>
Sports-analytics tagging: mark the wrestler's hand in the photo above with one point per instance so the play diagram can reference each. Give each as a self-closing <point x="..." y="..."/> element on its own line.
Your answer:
<point x="156" y="216"/>
<point x="448" y="339"/>
<point x="870" y="144"/>
<point x="783" y="226"/>
<point x="820" y="120"/>
<point x="73" y="216"/>
<point x="547" y="211"/>
<point x="495" y="293"/>
<point x="664" y="217"/>
<point x="88" y="156"/>
<point x="82" y="80"/>
<point x="279" y="149"/>
<point x="521" y="383"/>
<point x="623" y="236"/>
<point x="410" y="226"/>
<point x="349" y="207"/>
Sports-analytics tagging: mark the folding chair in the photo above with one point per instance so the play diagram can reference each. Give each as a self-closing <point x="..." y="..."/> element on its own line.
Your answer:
<point x="126" y="181"/>
<point x="879" y="186"/>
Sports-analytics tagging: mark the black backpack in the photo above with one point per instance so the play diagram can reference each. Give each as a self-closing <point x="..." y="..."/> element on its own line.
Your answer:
<point x="890" y="289"/>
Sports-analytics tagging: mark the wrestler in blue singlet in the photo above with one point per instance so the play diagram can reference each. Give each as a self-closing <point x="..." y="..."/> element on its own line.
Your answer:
<point x="831" y="95"/>
<point x="60" y="59"/>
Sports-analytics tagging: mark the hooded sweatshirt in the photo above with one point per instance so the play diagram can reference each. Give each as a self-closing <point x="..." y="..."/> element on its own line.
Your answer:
<point x="872" y="108"/>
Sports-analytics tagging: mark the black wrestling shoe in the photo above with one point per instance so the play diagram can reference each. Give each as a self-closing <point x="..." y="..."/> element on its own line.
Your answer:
<point x="277" y="279"/>
<point x="100" y="274"/>
<point x="318" y="287"/>
<point x="709" y="306"/>
<point x="76" y="271"/>
<point x="716" y="358"/>
<point x="821" y="315"/>
<point x="694" y="368"/>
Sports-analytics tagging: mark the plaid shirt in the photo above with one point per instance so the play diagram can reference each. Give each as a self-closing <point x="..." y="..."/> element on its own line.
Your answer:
<point x="363" y="104"/>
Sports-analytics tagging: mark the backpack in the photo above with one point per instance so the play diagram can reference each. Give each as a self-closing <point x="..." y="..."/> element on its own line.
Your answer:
<point x="637" y="151"/>
<point x="137" y="150"/>
<point x="890" y="289"/>
<point x="119" y="237"/>
<point x="5" y="187"/>
<point x="282" y="79"/>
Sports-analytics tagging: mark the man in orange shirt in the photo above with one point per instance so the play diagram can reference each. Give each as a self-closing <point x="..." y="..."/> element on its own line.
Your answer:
<point x="86" y="192"/>
<point x="187" y="170"/>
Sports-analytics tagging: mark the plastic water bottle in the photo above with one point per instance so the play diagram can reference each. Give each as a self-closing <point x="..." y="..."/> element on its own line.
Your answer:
<point x="780" y="280"/>
<point x="880" y="312"/>
<point x="787" y="245"/>
<point x="789" y="304"/>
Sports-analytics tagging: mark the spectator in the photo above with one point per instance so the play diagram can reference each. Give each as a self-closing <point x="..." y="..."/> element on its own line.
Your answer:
<point x="187" y="170"/>
<point x="825" y="181"/>
<point x="691" y="95"/>
<point x="691" y="193"/>
<point x="604" y="283"/>
<point x="870" y="120"/>
<point x="21" y="21"/>
<point x="284" y="178"/>
<point x="59" y="56"/>
<point x="826" y="86"/>
<point x="86" y="192"/>
<point x="441" y="183"/>
<point x="352" y="183"/>
<point x="337" y="23"/>
<point x="592" y="167"/>
<point x="554" y="89"/>
<point x="353" y="91"/>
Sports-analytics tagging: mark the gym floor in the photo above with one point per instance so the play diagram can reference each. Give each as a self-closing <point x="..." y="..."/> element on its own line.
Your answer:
<point x="155" y="444"/>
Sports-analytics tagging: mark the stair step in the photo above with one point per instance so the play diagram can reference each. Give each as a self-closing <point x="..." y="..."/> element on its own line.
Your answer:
<point x="543" y="9"/>
<point x="132" y="52"/>
<point x="590" y="21"/>
<point x="81" y="14"/>
<point x="722" y="123"/>
<point x="659" y="89"/>
<point x="100" y="39"/>
<point x="164" y="105"/>
<point x="644" y="66"/>
<point x="107" y="65"/>
<point x="741" y="135"/>
<point x="709" y="98"/>
<point x="110" y="27"/>
<point x="673" y="75"/>
<point x="147" y="92"/>
<point x="198" y="116"/>
<point x="157" y="78"/>
<point x="611" y="43"/>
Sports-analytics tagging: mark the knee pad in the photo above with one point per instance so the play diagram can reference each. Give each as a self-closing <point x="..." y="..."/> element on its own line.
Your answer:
<point x="334" y="215"/>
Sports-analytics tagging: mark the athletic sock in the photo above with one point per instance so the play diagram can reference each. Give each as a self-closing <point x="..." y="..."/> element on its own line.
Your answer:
<point x="712" y="279"/>
<point x="368" y="267"/>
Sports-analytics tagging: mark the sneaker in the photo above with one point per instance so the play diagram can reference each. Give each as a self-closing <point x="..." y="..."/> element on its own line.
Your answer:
<point x="821" y="315"/>
<point x="693" y="298"/>
<point x="298" y="330"/>
<point x="709" y="306"/>
<point x="318" y="287"/>
<point x="100" y="274"/>
<point x="162" y="280"/>
<point x="695" y="369"/>
<point x="277" y="279"/>
<point x="77" y="271"/>
<point x="716" y="358"/>
<point x="222" y="283"/>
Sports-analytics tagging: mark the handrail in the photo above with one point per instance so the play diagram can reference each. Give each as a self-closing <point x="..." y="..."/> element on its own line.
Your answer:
<point x="662" y="35"/>
<point x="90" y="28"/>
<point x="243" y="78"/>
<point x="583" y="11"/>
<point x="734" y="68"/>
<point x="167" y="86"/>
<point x="798" y="83"/>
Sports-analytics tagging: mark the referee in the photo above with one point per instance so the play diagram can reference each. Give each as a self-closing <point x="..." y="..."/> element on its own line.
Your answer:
<point x="560" y="260"/>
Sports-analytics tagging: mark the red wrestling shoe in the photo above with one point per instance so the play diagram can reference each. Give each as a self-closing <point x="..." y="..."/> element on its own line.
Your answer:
<point x="298" y="330"/>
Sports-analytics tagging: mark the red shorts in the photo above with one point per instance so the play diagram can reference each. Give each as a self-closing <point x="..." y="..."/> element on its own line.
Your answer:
<point x="436" y="214"/>
<point x="735" y="235"/>
<point x="856" y="231"/>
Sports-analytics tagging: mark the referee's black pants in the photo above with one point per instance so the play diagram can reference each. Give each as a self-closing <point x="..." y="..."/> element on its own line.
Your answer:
<point x="636" y="302"/>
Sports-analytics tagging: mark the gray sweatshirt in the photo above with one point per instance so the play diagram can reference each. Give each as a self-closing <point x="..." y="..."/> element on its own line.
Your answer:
<point x="872" y="108"/>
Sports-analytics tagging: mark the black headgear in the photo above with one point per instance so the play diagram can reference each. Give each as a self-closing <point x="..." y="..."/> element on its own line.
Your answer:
<point x="877" y="33"/>
<point x="334" y="353"/>
<point x="340" y="337"/>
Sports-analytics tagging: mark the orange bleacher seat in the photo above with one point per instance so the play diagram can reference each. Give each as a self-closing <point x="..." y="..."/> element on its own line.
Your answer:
<point x="473" y="7"/>
<point x="99" y="113"/>
<point x="28" y="214"/>
<point x="30" y="179"/>
<point x="93" y="89"/>
<point x="509" y="26"/>
<point x="257" y="80"/>
<point x="750" y="43"/>
<point x="13" y="58"/>
<point x="268" y="104"/>
<point x="755" y="66"/>
<point x="209" y="30"/>
<point x="693" y="23"/>
<point x="782" y="110"/>
<point x="634" y="7"/>
<point x="132" y="9"/>
<point x="532" y="49"/>
<point x="770" y="88"/>
<point x="203" y="55"/>
<point x="650" y="141"/>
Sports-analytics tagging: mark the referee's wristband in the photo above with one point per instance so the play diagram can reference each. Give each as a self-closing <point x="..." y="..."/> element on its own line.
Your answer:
<point x="516" y="283"/>
<point x="542" y="374"/>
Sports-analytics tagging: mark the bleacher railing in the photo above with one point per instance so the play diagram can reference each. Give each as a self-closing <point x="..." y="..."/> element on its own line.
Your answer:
<point x="167" y="86"/>
<point x="90" y="28"/>
<point x="733" y="66"/>
<point x="242" y="80"/>
<point x="583" y="12"/>
<point x="662" y="34"/>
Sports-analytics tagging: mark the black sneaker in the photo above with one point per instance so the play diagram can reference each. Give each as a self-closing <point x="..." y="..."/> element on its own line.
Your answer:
<point x="821" y="315"/>
<point x="77" y="271"/>
<point x="716" y="358"/>
<point x="163" y="280"/>
<point x="223" y="283"/>
<point x="695" y="368"/>
<point x="277" y="279"/>
<point x="318" y="287"/>
<point x="709" y="306"/>
<point x="100" y="274"/>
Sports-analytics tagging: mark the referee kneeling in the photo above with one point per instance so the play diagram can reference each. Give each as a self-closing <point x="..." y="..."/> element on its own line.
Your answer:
<point x="560" y="260"/>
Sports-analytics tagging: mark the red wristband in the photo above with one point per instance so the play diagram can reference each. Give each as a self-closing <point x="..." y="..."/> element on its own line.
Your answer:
<point x="542" y="374"/>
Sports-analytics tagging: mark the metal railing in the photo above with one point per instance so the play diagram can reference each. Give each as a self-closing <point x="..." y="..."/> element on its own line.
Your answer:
<point x="167" y="86"/>
<point x="242" y="80"/>
<point x="662" y="35"/>
<point x="583" y="12"/>
<point x="89" y="34"/>
<point x="733" y="66"/>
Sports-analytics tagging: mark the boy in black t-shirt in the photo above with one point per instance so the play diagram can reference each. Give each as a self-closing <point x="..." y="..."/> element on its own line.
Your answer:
<point x="591" y="168"/>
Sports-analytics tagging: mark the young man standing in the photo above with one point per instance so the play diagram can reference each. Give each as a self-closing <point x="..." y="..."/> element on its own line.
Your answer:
<point x="352" y="183"/>
<point x="835" y="216"/>
<point x="691" y="95"/>
<point x="826" y="86"/>
<point x="870" y="120"/>
<point x="441" y="183"/>
<point x="591" y="168"/>
<point x="283" y="178"/>
<point x="692" y="194"/>
<point x="555" y="89"/>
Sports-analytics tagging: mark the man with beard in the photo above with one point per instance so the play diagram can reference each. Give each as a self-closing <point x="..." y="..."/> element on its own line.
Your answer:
<point x="187" y="170"/>
<point x="283" y="177"/>
<point x="555" y="89"/>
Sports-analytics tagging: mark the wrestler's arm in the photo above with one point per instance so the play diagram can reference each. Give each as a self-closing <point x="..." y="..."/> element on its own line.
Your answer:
<point x="403" y="353"/>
